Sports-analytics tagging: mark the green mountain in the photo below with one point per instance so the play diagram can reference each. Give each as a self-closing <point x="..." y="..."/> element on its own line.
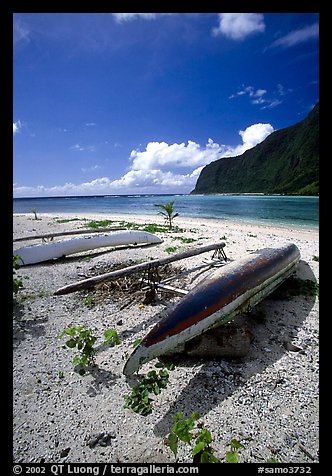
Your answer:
<point x="286" y="162"/>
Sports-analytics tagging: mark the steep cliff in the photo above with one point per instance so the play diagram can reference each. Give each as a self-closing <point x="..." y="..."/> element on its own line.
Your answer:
<point x="287" y="161"/>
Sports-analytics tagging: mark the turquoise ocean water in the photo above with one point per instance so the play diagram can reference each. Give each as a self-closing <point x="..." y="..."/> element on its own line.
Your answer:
<point x="295" y="211"/>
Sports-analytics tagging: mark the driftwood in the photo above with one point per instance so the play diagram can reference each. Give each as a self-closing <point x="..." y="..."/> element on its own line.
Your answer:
<point x="73" y="232"/>
<point x="91" y="282"/>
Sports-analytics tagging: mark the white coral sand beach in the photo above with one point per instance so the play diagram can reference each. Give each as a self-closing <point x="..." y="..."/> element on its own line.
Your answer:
<point x="267" y="399"/>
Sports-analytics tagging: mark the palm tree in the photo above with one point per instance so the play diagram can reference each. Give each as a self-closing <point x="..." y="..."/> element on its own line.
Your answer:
<point x="167" y="212"/>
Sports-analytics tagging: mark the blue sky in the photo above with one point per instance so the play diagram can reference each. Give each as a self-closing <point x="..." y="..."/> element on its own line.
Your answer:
<point x="138" y="103"/>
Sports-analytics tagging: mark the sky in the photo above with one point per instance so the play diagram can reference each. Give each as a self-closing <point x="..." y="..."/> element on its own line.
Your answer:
<point x="135" y="103"/>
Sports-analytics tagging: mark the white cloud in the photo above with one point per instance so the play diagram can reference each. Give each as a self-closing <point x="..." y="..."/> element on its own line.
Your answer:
<point x="83" y="148"/>
<point x="126" y="17"/>
<point x="154" y="169"/>
<point x="238" y="26"/>
<point x="17" y="127"/>
<point x="295" y="37"/>
<point x="160" y="155"/>
<point x="20" y="31"/>
<point x="253" y="135"/>
<point x="91" y="169"/>
<point x="258" y="96"/>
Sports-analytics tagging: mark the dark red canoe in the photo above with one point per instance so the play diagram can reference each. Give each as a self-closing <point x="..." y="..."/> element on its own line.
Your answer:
<point x="228" y="291"/>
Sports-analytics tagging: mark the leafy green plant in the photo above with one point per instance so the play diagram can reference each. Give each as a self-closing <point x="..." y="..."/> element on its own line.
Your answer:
<point x="232" y="456"/>
<point x="17" y="281"/>
<point x="84" y="339"/>
<point x="167" y="211"/>
<point x="139" y="400"/>
<point x="34" y="211"/>
<point x="315" y="258"/>
<point x="88" y="301"/>
<point x="188" y="430"/>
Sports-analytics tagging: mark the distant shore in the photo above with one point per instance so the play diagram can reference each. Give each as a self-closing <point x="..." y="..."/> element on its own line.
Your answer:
<point x="267" y="400"/>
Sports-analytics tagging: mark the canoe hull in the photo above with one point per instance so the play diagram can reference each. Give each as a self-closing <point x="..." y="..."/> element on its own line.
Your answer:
<point x="47" y="251"/>
<point x="225" y="293"/>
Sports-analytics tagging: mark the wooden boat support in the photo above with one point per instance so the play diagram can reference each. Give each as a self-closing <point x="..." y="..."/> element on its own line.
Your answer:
<point x="149" y="265"/>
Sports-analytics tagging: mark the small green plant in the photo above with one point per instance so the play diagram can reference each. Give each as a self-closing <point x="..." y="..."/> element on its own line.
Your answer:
<point x="139" y="400"/>
<point x="188" y="430"/>
<point x="315" y="258"/>
<point x="170" y="249"/>
<point x="88" y="301"/>
<point x="34" y="211"/>
<point x="99" y="223"/>
<point x="17" y="281"/>
<point x="67" y="220"/>
<point x="167" y="211"/>
<point x="84" y="339"/>
<point x="232" y="456"/>
<point x="183" y="239"/>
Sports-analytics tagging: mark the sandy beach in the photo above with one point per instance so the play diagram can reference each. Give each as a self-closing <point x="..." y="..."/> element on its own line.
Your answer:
<point x="267" y="399"/>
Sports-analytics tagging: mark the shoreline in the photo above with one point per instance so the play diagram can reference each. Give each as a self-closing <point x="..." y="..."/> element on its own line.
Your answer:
<point x="149" y="218"/>
<point x="266" y="400"/>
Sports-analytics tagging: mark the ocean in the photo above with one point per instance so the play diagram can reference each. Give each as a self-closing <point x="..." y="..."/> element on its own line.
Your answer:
<point x="281" y="210"/>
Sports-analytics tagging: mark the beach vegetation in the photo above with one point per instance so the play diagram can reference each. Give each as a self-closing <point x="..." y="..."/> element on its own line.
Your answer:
<point x="294" y="286"/>
<point x="84" y="340"/>
<point x="183" y="239"/>
<point x="34" y="211"/>
<point x="232" y="456"/>
<point x="167" y="211"/>
<point x="315" y="258"/>
<point x="17" y="281"/>
<point x="67" y="220"/>
<point x="189" y="430"/>
<point x="154" y="228"/>
<point x="88" y="301"/>
<point x="170" y="249"/>
<point x="99" y="223"/>
<point x="140" y="400"/>
<point x="36" y="294"/>
<point x="150" y="227"/>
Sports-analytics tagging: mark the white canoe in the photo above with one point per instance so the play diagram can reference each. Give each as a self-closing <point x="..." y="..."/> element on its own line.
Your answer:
<point x="47" y="251"/>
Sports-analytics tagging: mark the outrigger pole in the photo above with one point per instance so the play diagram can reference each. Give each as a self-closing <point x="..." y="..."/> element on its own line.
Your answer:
<point x="91" y="282"/>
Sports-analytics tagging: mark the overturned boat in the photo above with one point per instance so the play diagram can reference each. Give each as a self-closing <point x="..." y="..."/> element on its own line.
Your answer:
<point x="228" y="291"/>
